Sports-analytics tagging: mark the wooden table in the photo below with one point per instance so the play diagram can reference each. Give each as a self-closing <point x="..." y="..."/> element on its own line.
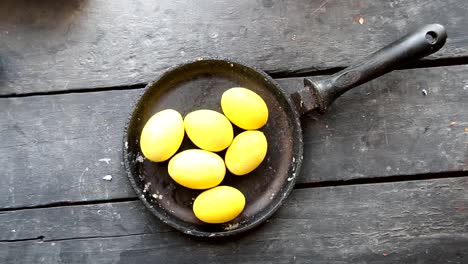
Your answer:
<point x="385" y="174"/>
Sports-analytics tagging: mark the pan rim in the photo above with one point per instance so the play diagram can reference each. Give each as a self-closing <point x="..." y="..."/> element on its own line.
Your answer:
<point x="288" y="185"/>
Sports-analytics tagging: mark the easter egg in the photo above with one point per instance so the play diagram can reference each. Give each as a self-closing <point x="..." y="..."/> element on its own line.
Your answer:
<point x="219" y="205"/>
<point x="247" y="151"/>
<point x="244" y="108"/>
<point x="197" y="169"/>
<point x="208" y="129"/>
<point x="162" y="135"/>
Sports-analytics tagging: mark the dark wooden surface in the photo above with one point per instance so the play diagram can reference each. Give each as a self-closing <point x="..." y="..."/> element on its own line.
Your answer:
<point x="386" y="128"/>
<point x="51" y="45"/>
<point x="385" y="174"/>
<point x="411" y="222"/>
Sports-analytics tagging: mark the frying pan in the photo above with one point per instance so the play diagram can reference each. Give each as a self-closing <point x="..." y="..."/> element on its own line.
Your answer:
<point x="199" y="84"/>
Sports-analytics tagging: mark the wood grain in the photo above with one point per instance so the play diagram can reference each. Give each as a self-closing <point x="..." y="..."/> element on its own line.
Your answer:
<point x="410" y="222"/>
<point x="58" y="148"/>
<point x="389" y="127"/>
<point x="55" y="45"/>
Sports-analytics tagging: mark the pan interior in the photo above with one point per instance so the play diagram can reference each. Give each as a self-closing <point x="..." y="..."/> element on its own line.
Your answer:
<point x="199" y="85"/>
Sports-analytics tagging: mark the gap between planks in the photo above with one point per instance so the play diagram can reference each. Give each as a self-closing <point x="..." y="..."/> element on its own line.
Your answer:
<point x="389" y="179"/>
<point x="363" y="181"/>
<point x="42" y="239"/>
<point x="276" y="75"/>
<point x="413" y="65"/>
<point x="78" y="91"/>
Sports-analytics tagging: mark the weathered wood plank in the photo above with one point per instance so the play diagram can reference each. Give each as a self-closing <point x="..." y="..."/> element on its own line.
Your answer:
<point x="389" y="127"/>
<point x="164" y="248"/>
<point x="58" y="148"/>
<point x="57" y="45"/>
<point x="409" y="222"/>
<point x="80" y="221"/>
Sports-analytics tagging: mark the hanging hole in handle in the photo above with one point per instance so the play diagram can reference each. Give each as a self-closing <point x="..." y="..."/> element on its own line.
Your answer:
<point x="431" y="37"/>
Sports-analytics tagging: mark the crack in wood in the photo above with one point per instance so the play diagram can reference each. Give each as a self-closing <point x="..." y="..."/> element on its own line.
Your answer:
<point x="77" y="91"/>
<point x="66" y="203"/>
<point x="423" y="63"/>
<point x="38" y="239"/>
<point x="390" y="179"/>
<point x="42" y="239"/>
<point x="305" y="72"/>
<point x="361" y="181"/>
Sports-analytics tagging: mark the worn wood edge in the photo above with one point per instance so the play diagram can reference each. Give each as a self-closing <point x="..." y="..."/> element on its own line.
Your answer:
<point x="412" y="109"/>
<point x="424" y="221"/>
<point x="145" y="249"/>
<point x="285" y="74"/>
<point x="67" y="41"/>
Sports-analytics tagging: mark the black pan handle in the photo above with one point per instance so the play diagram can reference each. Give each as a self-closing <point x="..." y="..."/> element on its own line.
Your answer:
<point x="320" y="93"/>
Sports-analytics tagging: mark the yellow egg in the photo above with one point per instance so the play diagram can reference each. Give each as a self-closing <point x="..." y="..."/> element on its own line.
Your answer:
<point x="197" y="169"/>
<point x="244" y="108"/>
<point x="162" y="135"/>
<point x="247" y="151"/>
<point x="209" y="130"/>
<point x="219" y="205"/>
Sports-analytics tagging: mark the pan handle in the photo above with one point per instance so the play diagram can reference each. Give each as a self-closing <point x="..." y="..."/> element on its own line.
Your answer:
<point x="320" y="93"/>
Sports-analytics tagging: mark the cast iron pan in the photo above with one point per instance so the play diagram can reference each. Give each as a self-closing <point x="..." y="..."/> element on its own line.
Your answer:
<point x="199" y="84"/>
